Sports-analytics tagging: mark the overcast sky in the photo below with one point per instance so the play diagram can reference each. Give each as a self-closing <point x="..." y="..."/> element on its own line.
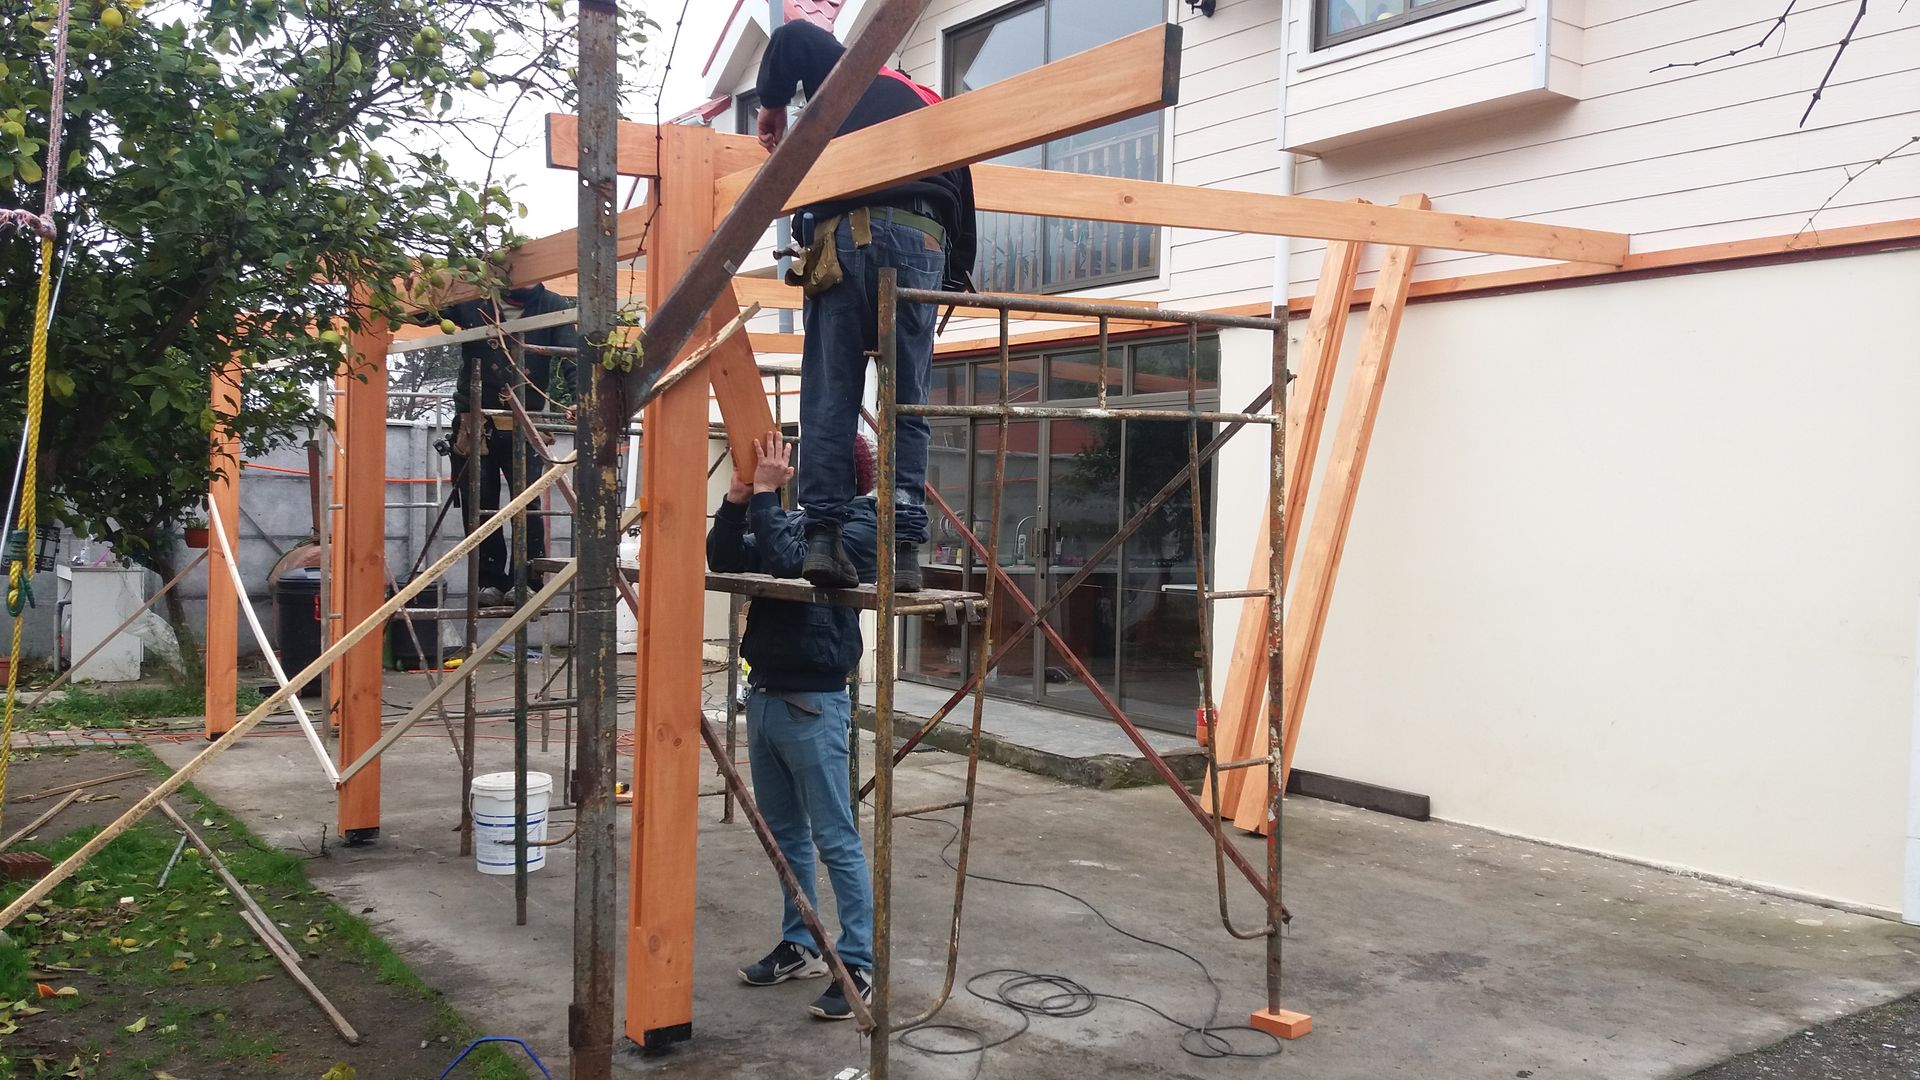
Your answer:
<point x="549" y="193"/>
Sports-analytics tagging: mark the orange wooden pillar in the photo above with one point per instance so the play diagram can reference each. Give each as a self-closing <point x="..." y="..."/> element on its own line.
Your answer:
<point x="666" y="743"/>
<point x="359" y="569"/>
<point x="222" y="652"/>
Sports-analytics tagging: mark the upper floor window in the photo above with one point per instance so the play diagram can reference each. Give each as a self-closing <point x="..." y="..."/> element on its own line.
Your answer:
<point x="1030" y="254"/>
<point x="1336" y="21"/>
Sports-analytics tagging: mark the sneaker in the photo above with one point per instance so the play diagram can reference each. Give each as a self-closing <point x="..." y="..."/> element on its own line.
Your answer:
<point x="832" y="1004"/>
<point x="906" y="568"/>
<point x="827" y="565"/>
<point x="786" y="961"/>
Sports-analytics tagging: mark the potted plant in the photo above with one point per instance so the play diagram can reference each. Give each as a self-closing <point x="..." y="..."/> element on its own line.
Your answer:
<point x="196" y="533"/>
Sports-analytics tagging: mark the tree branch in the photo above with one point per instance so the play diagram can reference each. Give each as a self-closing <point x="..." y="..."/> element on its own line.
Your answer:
<point x="1837" y="53"/>
<point x="1779" y="24"/>
<point x="1851" y="177"/>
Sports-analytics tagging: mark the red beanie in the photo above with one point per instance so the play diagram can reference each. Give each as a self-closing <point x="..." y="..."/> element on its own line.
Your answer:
<point x="863" y="467"/>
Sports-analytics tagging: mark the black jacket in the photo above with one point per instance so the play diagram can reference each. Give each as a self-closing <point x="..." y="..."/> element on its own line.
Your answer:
<point x="791" y="646"/>
<point x="802" y="53"/>
<point x="496" y="369"/>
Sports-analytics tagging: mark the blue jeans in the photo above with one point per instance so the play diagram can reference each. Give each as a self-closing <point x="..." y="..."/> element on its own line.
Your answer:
<point x="842" y="324"/>
<point x="797" y="744"/>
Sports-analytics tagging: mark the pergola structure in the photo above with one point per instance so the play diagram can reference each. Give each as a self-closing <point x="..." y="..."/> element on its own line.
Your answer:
<point x="710" y="199"/>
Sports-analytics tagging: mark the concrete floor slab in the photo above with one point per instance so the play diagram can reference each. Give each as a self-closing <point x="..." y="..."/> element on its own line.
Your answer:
<point x="1421" y="949"/>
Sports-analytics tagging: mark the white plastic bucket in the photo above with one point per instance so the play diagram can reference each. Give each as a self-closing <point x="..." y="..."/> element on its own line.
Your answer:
<point x="492" y="804"/>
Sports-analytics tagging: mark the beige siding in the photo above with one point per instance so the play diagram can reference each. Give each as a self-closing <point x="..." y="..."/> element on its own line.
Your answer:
<point x="1686" y="155"/>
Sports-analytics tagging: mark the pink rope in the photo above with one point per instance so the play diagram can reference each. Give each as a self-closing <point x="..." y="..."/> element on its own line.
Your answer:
<point x="26" y="221"/>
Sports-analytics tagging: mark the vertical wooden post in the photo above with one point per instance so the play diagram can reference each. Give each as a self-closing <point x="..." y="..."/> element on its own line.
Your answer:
<point x="1312" y="589"/>
<point x="222" y="650"/>
<point x="360" y="567"/>
<point x="666" y="744"/>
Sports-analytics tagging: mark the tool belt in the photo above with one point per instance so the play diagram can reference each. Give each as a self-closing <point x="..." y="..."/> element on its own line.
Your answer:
<point x="820" y="269"/>
<point x="468" y="430"/>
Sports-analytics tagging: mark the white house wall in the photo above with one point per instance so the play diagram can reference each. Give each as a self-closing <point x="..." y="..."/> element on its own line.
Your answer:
<point x="1679" y="157"/>
<point x="1635" y="568"/>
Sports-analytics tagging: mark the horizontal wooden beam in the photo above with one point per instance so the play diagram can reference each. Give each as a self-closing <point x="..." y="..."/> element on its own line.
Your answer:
<point x="1138" y="74"/>
<point x="1144" y="202"/>
<point x="637" y="148"/>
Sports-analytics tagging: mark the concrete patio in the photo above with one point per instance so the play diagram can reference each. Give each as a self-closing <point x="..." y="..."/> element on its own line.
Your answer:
<point x="1422" y="949"/>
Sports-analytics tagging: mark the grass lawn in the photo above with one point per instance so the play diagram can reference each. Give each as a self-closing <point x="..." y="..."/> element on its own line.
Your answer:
<point x="114" y="976"/>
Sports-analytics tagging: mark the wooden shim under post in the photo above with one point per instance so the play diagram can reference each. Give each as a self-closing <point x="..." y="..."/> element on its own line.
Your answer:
<point x="39" y="890"/>
<point x="1340" y="485"/>
<point x="1246" y="693"/>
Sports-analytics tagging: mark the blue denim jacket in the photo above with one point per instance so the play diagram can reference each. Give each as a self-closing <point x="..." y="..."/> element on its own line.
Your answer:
<point x="792" y="646"/>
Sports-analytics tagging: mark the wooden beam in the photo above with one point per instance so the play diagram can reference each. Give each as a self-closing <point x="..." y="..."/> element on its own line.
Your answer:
<point x="1139" y="73"/>
<point x="781" y="344"/>
<point x="666" y="757"/>
<point x="1245" y="698"/>
<point x="637" y="147"/>
<point x="1897" y="235"/>
<point x="738" y="390"/>
<point x="222" y="658"/>
<point x="360" y="567"/>
<point x="1306" y="615"/>
<point x="1145" y="202"/>
<point x="1046" y="337"/>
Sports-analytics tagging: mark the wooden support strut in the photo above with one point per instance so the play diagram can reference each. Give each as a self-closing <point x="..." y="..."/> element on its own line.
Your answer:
<point x="1245" y="697"/>
<point x="1340" y="484"/>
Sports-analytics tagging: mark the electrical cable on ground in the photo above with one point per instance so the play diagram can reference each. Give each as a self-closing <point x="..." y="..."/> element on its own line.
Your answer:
<point x="1029" y="994"/>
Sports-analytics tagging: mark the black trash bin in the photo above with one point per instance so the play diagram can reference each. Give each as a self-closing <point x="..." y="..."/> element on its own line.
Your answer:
<point x="296" y="621"/>
<point x="400" y="643"/>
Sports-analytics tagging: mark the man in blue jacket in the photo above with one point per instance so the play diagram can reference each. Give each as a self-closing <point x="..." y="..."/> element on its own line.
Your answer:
<point x="799" y="715"/>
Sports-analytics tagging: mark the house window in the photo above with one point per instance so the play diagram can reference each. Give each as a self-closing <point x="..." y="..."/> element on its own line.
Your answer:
<point x="1030" y="254"/>
<point x="1335" y="21"/>
<point x="746" y="112"/>
<point x="1069" y="485"/>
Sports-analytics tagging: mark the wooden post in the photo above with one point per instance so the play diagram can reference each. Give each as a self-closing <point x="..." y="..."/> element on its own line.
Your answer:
<point x="360" y="568"/>
<point x="1339" y="487"/>
<point x="666" y="744"/>
<point x="1246" y="694"/>
<point x="222" y="650"/>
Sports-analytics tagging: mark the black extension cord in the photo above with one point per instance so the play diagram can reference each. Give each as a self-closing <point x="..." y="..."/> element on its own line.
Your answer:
<point x="1028" y="994"/>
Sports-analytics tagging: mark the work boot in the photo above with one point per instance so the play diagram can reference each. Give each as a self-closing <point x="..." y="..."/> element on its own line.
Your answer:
<point x="906" y="568"/>
<point x="786" y="961"/>
<point x="833" y="1004"/>
<point x="827" y="565"/>
<point x="492" y="596"/>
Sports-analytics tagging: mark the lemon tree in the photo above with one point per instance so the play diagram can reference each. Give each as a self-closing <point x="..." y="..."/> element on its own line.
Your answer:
<point x="229" y="166"/>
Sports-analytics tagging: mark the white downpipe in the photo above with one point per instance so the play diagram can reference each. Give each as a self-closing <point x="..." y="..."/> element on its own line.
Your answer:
<point x="1282" y="245"/>
<point x="259" y="635"/>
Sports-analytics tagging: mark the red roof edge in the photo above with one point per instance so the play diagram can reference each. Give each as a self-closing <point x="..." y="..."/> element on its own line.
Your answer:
<point x="706" y="111"/>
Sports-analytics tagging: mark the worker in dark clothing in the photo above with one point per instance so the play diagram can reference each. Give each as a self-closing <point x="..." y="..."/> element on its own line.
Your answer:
<point x="799" y="715"/>
<point x="495" y="431"/>
<point x="924" y="229"/>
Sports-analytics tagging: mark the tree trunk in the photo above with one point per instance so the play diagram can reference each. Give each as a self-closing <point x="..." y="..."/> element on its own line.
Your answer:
<point x="192" y="671"/>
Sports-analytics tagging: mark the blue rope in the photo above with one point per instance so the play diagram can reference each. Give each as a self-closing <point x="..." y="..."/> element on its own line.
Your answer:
<point x="475" y="1045"/>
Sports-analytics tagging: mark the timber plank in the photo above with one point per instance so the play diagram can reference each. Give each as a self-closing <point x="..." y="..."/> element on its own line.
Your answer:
<point x="222" y="653"/>
<point x="1102" y="85"/>
<point x="1311" y="591"/>
<point x="1245" y="698"/>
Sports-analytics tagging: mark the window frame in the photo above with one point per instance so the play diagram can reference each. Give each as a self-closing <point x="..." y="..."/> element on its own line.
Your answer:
<point x="1322" y="39"/>
<point x="1155" y="267"/>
